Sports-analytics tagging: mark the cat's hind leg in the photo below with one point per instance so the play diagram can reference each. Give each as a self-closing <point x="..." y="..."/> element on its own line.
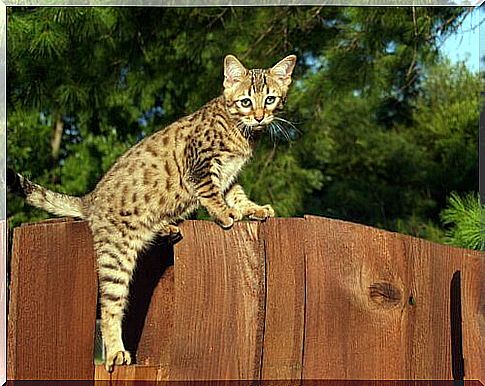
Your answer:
<point x="170" y="231"/>
<point x="116" y="260"/>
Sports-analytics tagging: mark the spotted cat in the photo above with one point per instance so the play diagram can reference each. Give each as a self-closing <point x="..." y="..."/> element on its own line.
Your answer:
<point x="166" y="176"/>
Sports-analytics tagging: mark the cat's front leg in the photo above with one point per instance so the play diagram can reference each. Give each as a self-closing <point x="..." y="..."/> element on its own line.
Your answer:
<point x="236" y="198"/>
<point x="210" y="196"/>
<point x="224" y="215"/>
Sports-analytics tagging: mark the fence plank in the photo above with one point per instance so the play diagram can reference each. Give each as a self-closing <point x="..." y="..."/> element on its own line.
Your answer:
<point x="156" y="340"/>
<point x="305" y="298"/>
<point x="219" y="303"/>
<point x="428" y="326"/>
<point x="3" y="299"/>
<point x="127" y="376"/>
<point x="473" y="306"/>
<point x="356" y="295"/>
<point x="53" y="302"/>
<point x="285" y="299"/>
<point x="148" y="323"/>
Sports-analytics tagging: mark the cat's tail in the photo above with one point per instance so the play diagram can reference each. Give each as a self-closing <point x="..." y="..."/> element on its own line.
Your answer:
<point x="40" y="197"/>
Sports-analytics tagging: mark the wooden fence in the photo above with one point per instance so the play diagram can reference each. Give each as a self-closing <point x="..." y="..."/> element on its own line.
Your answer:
<point x="288" y="299"/>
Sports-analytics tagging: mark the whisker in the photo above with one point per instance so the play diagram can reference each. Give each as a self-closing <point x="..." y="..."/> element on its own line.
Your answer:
<point x="276" y="131"/>
<point x="288" y="123"/>
<point x="283" y="132"/>
<point x="286" y="120"/>
<point x="288" y="127"/>
<point x="244" y="129"/>
<point x="271" y="132"/>
<point x="286" y="133"/>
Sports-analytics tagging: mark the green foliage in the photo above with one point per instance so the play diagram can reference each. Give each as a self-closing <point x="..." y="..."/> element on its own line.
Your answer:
<point x="446" y="127"/>
<point x="27" y="144"/>
<point x="268" y="180"/>
<point x="395" y="175"/>
<point x="465" y="217"/>
<point x="385" y="129"/>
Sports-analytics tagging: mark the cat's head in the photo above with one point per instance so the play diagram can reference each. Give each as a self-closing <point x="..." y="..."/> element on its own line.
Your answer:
<point x="255" y="96"/>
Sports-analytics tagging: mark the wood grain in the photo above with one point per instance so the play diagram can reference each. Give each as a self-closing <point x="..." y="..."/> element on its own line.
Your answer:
<point x="427" y="322"/>
<point x="285" y="298"/>
<point x="146" y="376"/>
<point x="219" y="303"/>
<point x="148" y="323"/>
<point x="127" y="376"/>
<point x="285" y="302"/>
<point x="156" y="341"/>
<point x="355" y="297"/>
<point x="53" y="302"/>
<point x="3" y="298"/>
<point x="473" y="307"/>
<point x="49" y="221"/>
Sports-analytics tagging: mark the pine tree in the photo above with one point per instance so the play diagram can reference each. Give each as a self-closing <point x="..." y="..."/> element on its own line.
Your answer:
<point x="364" y="145"/>
<point x="465" y="217"/>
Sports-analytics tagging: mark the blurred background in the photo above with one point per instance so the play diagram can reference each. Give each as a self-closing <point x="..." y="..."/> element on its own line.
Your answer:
<point x="385" y="102"/>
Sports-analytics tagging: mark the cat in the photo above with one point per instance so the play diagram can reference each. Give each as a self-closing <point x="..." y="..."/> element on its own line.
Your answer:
<point x="165" y="177"/>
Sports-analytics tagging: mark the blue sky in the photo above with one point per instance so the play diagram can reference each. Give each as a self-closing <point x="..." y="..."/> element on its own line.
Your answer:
<point x="464" y="45"/>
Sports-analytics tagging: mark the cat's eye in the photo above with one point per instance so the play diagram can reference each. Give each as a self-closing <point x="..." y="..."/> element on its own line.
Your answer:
<point x="246" y="102"/>
<point x="270" y="100"/>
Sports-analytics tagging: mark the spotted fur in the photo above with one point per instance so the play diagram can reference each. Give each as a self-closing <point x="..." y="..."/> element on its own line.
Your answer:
<point x="163" y="178"/>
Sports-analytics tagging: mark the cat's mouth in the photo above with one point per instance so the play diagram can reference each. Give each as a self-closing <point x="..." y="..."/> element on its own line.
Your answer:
<point x="255" y="126"/>
<point x="259" y="127"/>
<point x="262" y="124"/>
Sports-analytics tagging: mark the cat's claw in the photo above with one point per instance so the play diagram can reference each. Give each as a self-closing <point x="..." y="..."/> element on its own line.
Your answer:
<point x="230" y="217"/>
<point x="261" y="213"/>
<point x="227" y="224"/>
<point x="174" y="238"/>
<point x="118" y="358"/>
<point x="173" y="234"/>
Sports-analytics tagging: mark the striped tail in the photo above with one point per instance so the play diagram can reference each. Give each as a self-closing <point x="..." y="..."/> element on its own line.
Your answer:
<point x="40" y="197"/>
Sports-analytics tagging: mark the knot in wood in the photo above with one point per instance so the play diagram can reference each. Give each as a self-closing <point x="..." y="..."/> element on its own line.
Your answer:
<point x="385" y="294"/>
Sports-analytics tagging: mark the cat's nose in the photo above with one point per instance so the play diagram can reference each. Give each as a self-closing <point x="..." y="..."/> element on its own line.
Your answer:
<point x="259" y="119"/>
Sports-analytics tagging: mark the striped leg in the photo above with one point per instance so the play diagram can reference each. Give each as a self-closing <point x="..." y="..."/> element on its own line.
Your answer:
<point x="236" y="198"/>
<point x="217" y="207"/>
<point x="116" y="262"/>
<point x="210" y="196"/>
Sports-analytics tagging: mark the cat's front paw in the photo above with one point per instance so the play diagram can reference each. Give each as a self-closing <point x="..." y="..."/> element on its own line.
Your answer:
<point x="117" y="358"/>
<point x="260" y="213"/>
<point x="228" y="217"/>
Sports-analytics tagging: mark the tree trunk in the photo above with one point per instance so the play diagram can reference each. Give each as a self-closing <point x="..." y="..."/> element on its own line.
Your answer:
<point x="57" y="132"/>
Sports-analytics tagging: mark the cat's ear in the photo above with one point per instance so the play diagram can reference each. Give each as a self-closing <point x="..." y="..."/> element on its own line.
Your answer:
<point x="234" y="71"/>
<point x="283" y="69"/>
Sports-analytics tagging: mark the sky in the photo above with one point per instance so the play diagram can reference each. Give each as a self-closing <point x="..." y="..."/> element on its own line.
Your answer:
<point x="464" y="45"/>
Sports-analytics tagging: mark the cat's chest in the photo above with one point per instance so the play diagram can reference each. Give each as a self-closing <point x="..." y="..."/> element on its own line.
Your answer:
<point x="230" y="168"/>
